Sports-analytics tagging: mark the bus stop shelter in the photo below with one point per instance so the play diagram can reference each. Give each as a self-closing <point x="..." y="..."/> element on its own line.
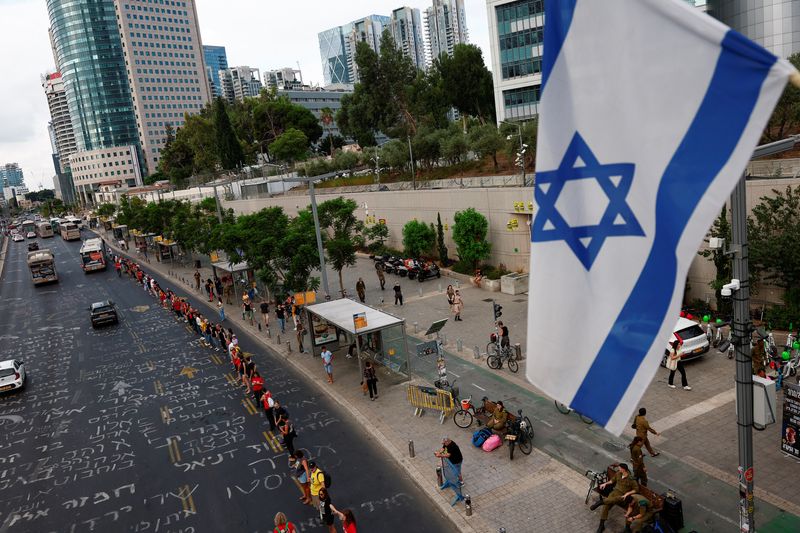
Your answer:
<point x="240" y="273"/>
<point x="376" y="335"/>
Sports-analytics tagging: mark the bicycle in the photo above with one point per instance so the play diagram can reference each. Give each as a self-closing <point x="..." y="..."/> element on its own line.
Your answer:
<point x="467" y="412"/>
<point x="597" y="479"/>
<point x="496" y="354"/>
<point x="565" y="410"/>
<point x="520" y="435"/>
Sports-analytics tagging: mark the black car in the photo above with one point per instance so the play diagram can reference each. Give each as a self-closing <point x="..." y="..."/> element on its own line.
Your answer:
<point x="33" y="246"/>
<point x="104" y="313"/>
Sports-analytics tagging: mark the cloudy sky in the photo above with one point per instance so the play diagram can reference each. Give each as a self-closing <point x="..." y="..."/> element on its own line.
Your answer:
<point x="264" y="34"/>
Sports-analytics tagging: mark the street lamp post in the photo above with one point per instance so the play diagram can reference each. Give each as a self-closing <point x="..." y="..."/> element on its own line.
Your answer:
<point x="310" y="180"/>
<point x="522" y="147"/>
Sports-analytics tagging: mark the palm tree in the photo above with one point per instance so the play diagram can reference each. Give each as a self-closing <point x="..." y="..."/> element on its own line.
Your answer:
<point x="326" y="116"/>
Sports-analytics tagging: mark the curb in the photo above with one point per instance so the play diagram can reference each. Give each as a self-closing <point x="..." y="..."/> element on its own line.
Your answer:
<point x="3" y="255"/>
<point x="426" y="485"/>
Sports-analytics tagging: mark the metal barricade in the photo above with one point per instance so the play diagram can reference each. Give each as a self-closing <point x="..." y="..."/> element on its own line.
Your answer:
<point x="430" y="398"/>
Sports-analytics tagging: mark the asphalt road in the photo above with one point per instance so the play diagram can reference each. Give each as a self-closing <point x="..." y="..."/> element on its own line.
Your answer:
<point x="137" y="427"/>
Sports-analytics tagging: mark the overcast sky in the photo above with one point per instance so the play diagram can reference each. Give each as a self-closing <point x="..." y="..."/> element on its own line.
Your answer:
<point x="264" y="34"/>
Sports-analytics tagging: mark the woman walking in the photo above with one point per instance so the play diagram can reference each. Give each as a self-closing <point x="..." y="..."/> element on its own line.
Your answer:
<point x="450" y="295"/>
<point x="348" y="521"/>
<point x="299" y="463"/>
<point x="675" y="362"/>
<point x="288" y="433"/>
<point x="372" y="380"/>
<point x="326" y="510"/>
<point x="457" y="305"/>
<point x="221" y="309"/>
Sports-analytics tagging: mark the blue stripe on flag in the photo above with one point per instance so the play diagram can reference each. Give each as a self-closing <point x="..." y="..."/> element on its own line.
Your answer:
<point x="558" y="14"/>
<point x="705" y="149"/>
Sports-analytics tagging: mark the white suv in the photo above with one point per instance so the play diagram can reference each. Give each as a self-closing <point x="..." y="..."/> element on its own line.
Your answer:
<point x="12" y="375"/>
<point x="695" y="342"/>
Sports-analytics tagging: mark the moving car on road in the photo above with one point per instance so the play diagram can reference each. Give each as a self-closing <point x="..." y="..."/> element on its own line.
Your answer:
<point x="695" y="342"/>
<point x="31" y="235"/>
<point x="103" y="313"/>
<point x="12" y="375"/>
<point x="17" y="237"/>
<point x="33" y="246"/>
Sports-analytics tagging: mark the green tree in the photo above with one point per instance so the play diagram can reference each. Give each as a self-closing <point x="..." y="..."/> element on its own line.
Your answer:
<point x="774" y="231"/>
<point x="722" y="262"/>
<point x="377" y="233"/>
<point x="469" y="234"/>
<point x="418" y="238"/>
<point x="228" y="148"/>
<point x="346" y="161"/>
<point x="290" y="146"/>
<point x="453" y="145"/>
<point x="343" y="233"/>
<point x="106" y="210"/>
<point x="442" y="247"/>
<point x="785" y="119"/>
<point x="486" y="141"/>
<point x="467" y="82"/>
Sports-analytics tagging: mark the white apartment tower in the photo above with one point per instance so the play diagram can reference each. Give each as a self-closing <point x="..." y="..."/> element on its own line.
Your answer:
<point x="446" y="26"/>
<point x="165" y="65"/>
<point x="406" y="28"/>
<point x="238" y="83"/>
<point x="61" y="124"/>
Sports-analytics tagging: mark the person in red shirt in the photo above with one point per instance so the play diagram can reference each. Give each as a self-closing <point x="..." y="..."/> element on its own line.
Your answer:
<point x="266" y="402"/>
<point x="282" y="524"/>
<point x="348" y="520"/>
<point x="258" y="385"/>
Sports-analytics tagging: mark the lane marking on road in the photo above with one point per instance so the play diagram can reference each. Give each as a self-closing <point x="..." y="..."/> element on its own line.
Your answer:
<point x="188" y="371"/>
<point x="141" y="347"/>
<point x="456" y="375"/>
<point x="174" y="451"/>
<point x="158" y="387"/>
<point x="75" y="396"/>
<point x="230" y="379"/>
<point x="718" y="515"/>
<point x="187" y="501"/>
<point x="693" y="411"/>
<point x="249" y="407"/>
<point x="273" y="441"/>
<point x="166" y="415"/>
<point x="151" y="365"/>
<point x="479" y="387"/>
<point x="215" y="359"/>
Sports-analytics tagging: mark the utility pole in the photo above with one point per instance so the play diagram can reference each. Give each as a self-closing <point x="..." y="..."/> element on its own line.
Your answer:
<point x="219" y="209"/>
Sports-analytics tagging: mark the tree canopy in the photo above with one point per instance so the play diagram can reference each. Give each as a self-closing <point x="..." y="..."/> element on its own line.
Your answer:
<point x="469" y="233"/>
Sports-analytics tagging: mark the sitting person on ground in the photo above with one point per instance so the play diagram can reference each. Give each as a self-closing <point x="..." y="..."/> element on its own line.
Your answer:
<point x="639" y="514"/>
<point x="476" y="280"/>
<point x="623" y="486"/>
<point x="499" y="418"/>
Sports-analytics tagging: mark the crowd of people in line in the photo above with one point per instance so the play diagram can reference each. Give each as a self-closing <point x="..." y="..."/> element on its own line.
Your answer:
<point x="313" y="481"/>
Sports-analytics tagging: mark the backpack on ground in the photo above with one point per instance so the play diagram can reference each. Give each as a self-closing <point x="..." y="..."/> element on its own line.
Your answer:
<point x="492" y="443"/>
<point x="480" y="436"/>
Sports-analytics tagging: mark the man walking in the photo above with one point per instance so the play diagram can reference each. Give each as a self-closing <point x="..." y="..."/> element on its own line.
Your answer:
<point x="264" y="307"/>
<point x="301" y="330"/>
<point x="381" y="277"/>
<point x="505" y="342"/>
<point x="327" y="359"/>
<point x="624" y="486"/>
<point x="280" y="313"/>
<point x="197" y="280"/>
<point x="361" y="289"/>
<point x="398" y="293"/>
<point x="642" y="427"/>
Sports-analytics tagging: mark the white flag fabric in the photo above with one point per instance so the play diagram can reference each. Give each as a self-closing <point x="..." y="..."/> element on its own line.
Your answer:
<point x="649" y="113"/>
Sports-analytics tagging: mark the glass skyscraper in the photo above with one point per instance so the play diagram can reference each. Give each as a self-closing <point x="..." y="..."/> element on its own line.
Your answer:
<point x="216" y="60"/>
<point x="337" y="47"/>
<point x="774" y="24"/>
<point x="89" y="54"/>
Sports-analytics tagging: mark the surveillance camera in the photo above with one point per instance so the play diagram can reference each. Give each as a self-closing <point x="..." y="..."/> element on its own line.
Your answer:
<point x="728" y="288"/>
<point x="716" y="243"/>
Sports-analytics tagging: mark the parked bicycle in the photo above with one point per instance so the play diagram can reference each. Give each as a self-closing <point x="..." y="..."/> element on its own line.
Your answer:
<point x="596" y="479"/>
<point x="466" y="413"/>
<point x="565" y="410"/>
<point x="520" y="434"/>
<point x="496" y="354"/>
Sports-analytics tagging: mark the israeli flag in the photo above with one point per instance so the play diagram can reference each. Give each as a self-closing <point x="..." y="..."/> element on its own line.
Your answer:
<point x="649" y="113"/>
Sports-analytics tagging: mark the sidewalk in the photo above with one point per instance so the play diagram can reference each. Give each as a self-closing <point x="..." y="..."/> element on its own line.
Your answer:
<point x="544" y="491"/>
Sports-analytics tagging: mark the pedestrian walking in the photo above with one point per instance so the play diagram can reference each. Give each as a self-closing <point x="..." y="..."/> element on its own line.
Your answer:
<point x="247" y="310"/>
<point x="451" y="453"/>
<point x="288" y="433"/>
<point x="301" y="331"/>
<point x="348" y="521"/>
<point x="299" y="463"/>
<point x="282" y="524"/>
<point x="450" y="294"/>
<point x="361" y="289"/>
<point x="197" y="280"/>
<point x="398" y="293"/>
<point x="457" y="305"/>
<point x="218" y="285"/>
<point x="623" y="486"/>
<point x="381" y="276"/>
<point x="264" y="308"/>
<point x="637" y="461"/>
<point x="327" y="360"/>
<point x="371" y="380"/>
<point x="675" y="362"/>
<point x="642" y="427"/>
<point x="326" y="510"/>
<point x="221" y="309"/>
<point x="280" y="314"/>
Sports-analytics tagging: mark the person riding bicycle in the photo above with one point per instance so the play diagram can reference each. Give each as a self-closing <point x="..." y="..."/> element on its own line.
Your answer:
<point x="499" y="418"/>
<point x="505" y="342"/>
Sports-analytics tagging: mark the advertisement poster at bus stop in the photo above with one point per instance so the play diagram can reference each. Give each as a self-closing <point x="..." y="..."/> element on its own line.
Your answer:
<point x="791" y="420"/>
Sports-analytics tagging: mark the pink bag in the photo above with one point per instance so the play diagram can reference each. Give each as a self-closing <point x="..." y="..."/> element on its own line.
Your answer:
<point x="492" y="443"/>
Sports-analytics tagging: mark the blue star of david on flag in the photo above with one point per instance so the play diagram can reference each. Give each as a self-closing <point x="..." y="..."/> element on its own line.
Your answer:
<point x="618" y="220"/>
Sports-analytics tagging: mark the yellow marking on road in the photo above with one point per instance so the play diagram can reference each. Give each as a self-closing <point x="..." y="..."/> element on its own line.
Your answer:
<point x="174" y="451"/>
<point x="142" y="349"/>
<point x="299" y="486"/>
<point x="158" y="387"/>
<point x="187" y="501"/>
<point x="229" y="377"/>
<point x="166" y="415"/>
<point x="189" y="329"/>
<point x="215" y="359"/>
<point x="150" y="365"/>
<point x="188" y="371"/>
<point x="273" y="441"/>
<point x="248" y="405"/>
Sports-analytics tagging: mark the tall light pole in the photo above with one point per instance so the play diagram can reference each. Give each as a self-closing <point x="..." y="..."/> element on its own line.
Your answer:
<point x="310" y="180"/>
<point x="522" y="147"/>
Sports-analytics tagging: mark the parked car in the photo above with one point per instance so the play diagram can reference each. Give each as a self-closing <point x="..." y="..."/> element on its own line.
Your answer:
<point x="12" y="375"/>
<point x="103" y="313"/>
<point x="17" y="237"/>
<point x="31" y="235"/>
<point x="695" y="342"/>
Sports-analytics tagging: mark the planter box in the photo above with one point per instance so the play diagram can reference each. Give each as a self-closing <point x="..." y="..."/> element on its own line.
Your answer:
<point x="492" y="285"/>
<point x="514" y="283"/>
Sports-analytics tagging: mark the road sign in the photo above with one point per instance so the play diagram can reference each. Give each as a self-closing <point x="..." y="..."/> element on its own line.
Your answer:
<point x="436" y="327"/>
<point x="188" y="372"/>
<point x="360" y="320"/>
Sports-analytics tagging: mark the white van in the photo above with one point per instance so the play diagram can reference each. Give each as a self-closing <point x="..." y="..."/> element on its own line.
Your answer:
<point x="695" y="342"/>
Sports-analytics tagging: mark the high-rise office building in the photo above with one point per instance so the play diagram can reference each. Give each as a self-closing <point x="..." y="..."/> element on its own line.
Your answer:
<point x="445" y="26"/>
<point x="774" y="24"/>
<point x="216" y="59"/>
<point x="62" y="136"/>
<point x="11" y="175"/>
<point x="337" y="47"/>
<point x="238" y="83"/>
<point x="516" y="31"/>
<point x="166" y="70"/>
<point x="283" y="79"/>
<point x="406" y="28"/>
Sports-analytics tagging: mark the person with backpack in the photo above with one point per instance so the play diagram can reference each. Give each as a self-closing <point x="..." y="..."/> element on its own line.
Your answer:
<point x="317" y="482"/>
<point x="371" y="379"/>
<point x="282" y="524"/>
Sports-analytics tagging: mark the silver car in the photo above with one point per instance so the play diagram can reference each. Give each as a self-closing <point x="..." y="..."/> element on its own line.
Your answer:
<point x="12" y="375"/>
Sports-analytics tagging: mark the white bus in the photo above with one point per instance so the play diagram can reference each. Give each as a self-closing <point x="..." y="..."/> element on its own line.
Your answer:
<point x="44" y="230"/>
<point x="29" y="226"/>
<point x="69" y="231"/>
<point x="42" y="265"/>
<point x="71" y="219"/>
<point x="93" y="256"/>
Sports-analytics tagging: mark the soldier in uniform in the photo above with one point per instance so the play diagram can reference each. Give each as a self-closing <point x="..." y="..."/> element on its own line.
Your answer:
<point x="642" y="426"/>
<point x="639" y="514"/>
<point x="624" y="486"/>
<point x="637" y="460"/>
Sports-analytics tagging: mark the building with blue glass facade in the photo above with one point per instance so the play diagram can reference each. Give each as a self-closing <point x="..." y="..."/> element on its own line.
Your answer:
<point x="11" y="175"/>
<point x="216" y="59"/>
<point x="337" y="47"/>
<point x="516" y="31"/>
